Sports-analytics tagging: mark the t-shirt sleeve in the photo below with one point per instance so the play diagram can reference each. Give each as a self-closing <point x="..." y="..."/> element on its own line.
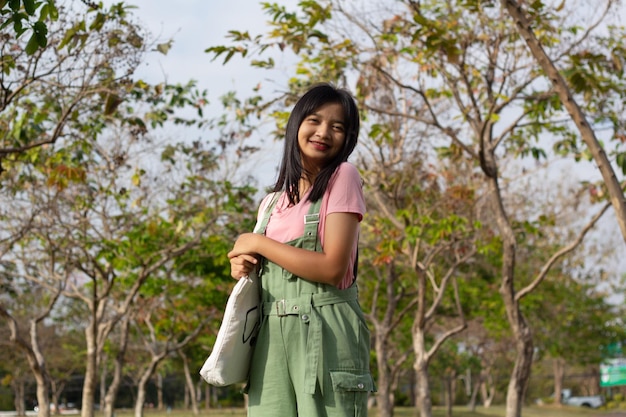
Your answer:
<point x="346" y="191"/>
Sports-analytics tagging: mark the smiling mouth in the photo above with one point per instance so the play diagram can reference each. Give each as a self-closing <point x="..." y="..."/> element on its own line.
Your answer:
<point x="319" y="145"/>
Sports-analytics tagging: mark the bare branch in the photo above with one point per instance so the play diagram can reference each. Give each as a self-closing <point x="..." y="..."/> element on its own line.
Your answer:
<point x="560" y="253"/>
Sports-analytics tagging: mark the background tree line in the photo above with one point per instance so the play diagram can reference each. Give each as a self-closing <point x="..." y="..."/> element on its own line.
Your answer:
<point x="476" y="256"/>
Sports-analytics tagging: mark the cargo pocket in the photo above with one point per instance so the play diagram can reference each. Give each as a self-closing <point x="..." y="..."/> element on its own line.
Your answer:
<point x="352" y="381"/>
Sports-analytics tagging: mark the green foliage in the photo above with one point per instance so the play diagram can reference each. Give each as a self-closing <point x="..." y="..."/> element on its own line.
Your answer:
<point x="620" y="160"/>
<point x="23" y="16"/>
<point x="97" y="207"/>
<point x="42" y="106"/>
<point x="568" y="310"/>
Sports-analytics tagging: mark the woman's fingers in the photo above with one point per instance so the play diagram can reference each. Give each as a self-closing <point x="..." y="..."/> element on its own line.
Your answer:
<point x="242" y="265"/>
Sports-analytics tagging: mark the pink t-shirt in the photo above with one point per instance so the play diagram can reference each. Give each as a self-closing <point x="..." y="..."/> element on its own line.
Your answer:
<point x="343" y="195"/>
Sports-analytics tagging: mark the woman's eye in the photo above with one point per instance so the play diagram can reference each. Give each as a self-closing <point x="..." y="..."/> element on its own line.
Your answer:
<point x="338" y="128"/>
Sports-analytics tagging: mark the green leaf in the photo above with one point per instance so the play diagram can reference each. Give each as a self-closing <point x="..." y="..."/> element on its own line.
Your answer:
<point x="18" y="27"/>
<point x="164" y="48"/>
<point x="32" y="45"/>
<point x="98" y="22"/>
<point x="51" y="11"/>
<point x="7" y="63"/>
<point x="621" y="161"/>
<point x="41" y="33"/>
<point x="30" y="6"/>
<point x="44" y="13"/>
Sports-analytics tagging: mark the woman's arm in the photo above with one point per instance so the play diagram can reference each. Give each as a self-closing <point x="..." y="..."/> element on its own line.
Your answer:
<point x="328" y="267"/>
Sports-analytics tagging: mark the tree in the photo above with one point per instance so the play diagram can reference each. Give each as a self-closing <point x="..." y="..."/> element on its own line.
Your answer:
<point x="174" y="306"/>
<point x="587" y="133"/>
<point x="388" y="309"/>
<point x="15" y="371"/>
<point x="24" y="334"/>
<point x="425" y="225"/>
<point x="84" y="65"/>
<point x="160" y="343"/>
<point x="567" y="310"/>
<point x="64" y="349"/>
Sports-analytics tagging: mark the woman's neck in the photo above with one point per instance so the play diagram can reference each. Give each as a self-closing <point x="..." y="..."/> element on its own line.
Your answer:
<point x="304" y="185"/>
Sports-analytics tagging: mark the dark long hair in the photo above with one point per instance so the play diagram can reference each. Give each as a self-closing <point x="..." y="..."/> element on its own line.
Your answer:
<point x="291" y="165"/>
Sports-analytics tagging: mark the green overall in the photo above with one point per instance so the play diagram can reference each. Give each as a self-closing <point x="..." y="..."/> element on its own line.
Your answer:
<point x="312" y="353"/>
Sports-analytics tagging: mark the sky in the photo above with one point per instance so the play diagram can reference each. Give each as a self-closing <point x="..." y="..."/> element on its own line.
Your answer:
<point x="195" y="25"/>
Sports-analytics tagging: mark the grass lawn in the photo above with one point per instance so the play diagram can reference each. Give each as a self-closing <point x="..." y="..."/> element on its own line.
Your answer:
<point x="496" y="411"/>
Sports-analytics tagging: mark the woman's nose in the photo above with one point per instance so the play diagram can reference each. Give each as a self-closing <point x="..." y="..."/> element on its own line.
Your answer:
<point x="323" y="130"/>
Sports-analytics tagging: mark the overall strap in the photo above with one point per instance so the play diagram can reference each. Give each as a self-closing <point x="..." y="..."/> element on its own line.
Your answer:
<point x="311" y="225"/>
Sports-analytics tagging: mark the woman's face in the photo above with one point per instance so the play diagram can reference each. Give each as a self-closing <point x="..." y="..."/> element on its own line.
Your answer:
<point x="321" y="136"/>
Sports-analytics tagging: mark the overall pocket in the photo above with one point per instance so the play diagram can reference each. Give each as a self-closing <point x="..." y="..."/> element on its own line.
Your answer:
<point x="351" y="380"/>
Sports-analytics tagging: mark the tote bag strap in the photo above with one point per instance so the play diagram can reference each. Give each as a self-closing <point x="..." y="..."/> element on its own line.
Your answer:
<point x="267" y="212"/>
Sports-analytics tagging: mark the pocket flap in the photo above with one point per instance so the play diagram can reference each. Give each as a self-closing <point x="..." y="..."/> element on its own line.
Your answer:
<point x="352" y="380"/>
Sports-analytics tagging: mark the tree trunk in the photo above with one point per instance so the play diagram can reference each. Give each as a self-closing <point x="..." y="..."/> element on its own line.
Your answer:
<point x="387" y="367"/>
<point x="558" y="365"/>
<point x="472" y="402"/>
<point x="521" y="332"/>
<point x="521" y="373"/>
<point x="207" y="396"/>
<point x="423" y="401"/>
<point x="448" y="394"/>
<point x="199" y="384"/>
<point x="141" y="394"/>
<point x="488" y="391"/>
<point x="91" y="368"/>
<point x="118" y="368"/>
<point x="215" y="396"/>
<point x="42" y="394"/>
<point x="55" y="395"/>
<point x="190" y="385"/>
<point x="103" y="380"/>
<point x="19" y="399"/>
<point x="159" y="386"/>
<point x="618" y="200"/>
<point x="186" y="397"/>
<point x="384" y="394"/>
<point x="143" y="381"/>
<point x="36" y="361"/>
<point x="523" y="344"/>
<point x="413" y="389"/>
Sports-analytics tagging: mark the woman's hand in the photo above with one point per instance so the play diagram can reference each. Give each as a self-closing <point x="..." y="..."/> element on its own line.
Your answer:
<point x="243" y="256"/>
<point x="242" y="265"/>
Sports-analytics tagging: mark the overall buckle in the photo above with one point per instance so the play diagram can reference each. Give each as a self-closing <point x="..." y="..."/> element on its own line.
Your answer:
<point x="311" y="218"/>
<point x="280" y="308"/>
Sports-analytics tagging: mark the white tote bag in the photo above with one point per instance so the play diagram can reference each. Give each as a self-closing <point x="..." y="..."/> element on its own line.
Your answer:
<point x="229" y="360"/>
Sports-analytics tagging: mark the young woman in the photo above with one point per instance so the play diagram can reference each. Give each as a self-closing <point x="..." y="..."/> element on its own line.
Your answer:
<point x="312" y="353"/>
